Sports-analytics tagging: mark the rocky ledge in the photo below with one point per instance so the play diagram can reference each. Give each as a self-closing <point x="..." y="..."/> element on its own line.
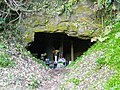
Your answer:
<point x="81" y="23"/>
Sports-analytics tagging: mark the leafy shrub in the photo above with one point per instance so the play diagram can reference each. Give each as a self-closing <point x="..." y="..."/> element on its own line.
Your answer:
<point x="5" y="61"/>
<point x="4" y="58"/>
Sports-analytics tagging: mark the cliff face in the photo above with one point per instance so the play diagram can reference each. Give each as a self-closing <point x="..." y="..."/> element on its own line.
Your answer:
<point x="81" y="23"/>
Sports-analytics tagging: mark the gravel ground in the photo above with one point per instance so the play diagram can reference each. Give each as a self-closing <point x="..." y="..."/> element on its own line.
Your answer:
<point x="29" y="75"/>
<point x="91" y="76"/>
<point x="21" y="76"/>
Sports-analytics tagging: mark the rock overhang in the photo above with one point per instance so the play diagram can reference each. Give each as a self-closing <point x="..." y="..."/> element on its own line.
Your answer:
<point x="81" y="23"/>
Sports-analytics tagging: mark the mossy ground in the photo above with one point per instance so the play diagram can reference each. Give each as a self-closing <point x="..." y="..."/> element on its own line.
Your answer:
<point x="109" y="59"/>
<point x="111" y="49"/>
<point x="98" y="68"/>
<point x="11" y="45"/>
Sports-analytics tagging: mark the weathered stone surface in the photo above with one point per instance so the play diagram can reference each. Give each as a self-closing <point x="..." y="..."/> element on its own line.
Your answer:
<point x="80" y="24"/>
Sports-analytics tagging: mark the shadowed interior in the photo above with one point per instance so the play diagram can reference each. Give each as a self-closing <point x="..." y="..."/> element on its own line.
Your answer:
<point x="70" y="47"/>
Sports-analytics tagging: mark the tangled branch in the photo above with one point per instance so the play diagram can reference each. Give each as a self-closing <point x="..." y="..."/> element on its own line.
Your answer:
<point x="17" y="6"/>
<point x="13" y="10"/>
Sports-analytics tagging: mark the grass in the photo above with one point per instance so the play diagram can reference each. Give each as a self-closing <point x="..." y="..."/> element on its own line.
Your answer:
<point x="111" y="57"/>
<point x="5" y="61"/>
<point x="4" y="57"/>
<point x="111" y="49"/>
<point x="10" y="43"/>
<point x="76" y="81"/>
<point x="113" y="83"/>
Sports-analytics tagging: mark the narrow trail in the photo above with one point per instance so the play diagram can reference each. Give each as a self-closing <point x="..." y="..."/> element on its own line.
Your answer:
<point x="26" y="72"/>
<point x="53" y="79"/>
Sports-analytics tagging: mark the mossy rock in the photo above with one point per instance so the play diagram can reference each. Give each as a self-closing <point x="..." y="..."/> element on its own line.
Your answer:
<point x="80" y="24"/>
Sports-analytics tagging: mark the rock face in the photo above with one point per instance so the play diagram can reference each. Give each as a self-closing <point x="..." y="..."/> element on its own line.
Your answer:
<point x="81" y="23"/>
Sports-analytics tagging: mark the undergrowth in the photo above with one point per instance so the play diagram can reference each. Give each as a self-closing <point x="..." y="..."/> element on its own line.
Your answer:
<point x="11" y="45"/>
<point x="111" y="49"/>
<point x="76" y="81"/>
<point x="111" y="57"/>
<point x="5" y="60"/>
<point x="34" y="83"/>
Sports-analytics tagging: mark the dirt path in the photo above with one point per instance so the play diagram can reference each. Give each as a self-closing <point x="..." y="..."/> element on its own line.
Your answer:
<point x="53" y="79"/>
<point x="29" y="75"/>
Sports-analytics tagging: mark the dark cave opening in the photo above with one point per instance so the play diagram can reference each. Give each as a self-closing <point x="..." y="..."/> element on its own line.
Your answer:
<point x="48" y="45"/>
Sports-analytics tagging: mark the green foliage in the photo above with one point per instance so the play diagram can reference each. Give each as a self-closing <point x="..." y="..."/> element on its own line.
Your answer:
<point x="8" y="40"/>
<point x="5" y="61"/>
<point x="7" y="16"/>
<point x="101" y="61"/>
<point x="118" y="1"/>
<point x="68" y="7"/>
<point x="111" y="56"/>
<point x="4" y="58"/>
<point x="11" y="43"/>
<point x="106" y="12"/>
<point x="76" y="81"/>
<point x="70" y="65"/>
<point x="113" y="49"/>
<point x="2" y="23"/>
<point x="34" y="82"/>
<point x="113" y="83"/>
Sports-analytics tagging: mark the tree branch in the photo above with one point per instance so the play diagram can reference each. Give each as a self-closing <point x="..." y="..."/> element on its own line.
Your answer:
<point x="10" y="6"/>
<point x="19" y="9"/>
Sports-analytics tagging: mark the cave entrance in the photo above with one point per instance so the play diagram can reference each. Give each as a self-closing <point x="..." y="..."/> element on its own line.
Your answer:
<point x="47" y="44"/>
